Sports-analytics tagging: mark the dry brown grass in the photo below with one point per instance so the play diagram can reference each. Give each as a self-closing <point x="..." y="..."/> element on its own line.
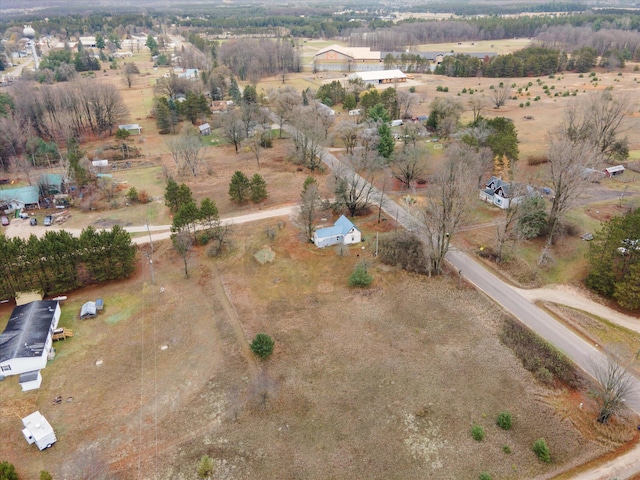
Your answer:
<point x="380" y="383"/>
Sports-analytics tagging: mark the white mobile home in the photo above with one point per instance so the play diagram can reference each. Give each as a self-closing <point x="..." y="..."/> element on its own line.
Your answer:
<point x="37" y="430"/>
<point x="25" y="344"/>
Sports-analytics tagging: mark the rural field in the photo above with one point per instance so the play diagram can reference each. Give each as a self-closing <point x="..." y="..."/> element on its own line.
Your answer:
<point x="382" y="383"/>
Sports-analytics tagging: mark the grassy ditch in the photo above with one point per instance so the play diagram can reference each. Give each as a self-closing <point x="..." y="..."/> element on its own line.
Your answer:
<point x="544" y="361"/>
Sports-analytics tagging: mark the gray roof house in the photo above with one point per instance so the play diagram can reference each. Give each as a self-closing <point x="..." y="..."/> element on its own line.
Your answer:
<point x="502" y="194"/>
<point x="343" y="232"/>
<point x="26" y="341"/>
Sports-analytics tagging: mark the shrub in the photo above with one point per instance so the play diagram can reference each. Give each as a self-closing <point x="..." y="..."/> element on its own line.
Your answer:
<point x="477" y="432"/>
<point x="132" y="194"/>
<point x="506" y="449"/>
<point x="262" y="345"/>
<point x="8" y="471"/>
<point x="535" y="353"/>
<point x="44" y="475"/>
<point x="360" y="277"/>
<point x="205" y="467"/>
<point x="484" y="476"/>
<point x="504" y="420"/>
<point x="143" y="197"/>
<point x="403" y="249"/>
<point x="541" y="449"/>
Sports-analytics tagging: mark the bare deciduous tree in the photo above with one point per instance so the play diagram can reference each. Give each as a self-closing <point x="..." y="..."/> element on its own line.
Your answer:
<point x="476" y="104"/>
<point x="309" y="206"/>
<point x="130" y="70"/>
<point x="353" y="192"/>
<point x="183" y="244"/>
<point x="507" y="227"/>
<point x="309" y="138"/>
<point x="348" y="133"/>
<point x="409" y="165"/>
<point x="233" y="129"/>
<point x="187" y="151"/>
<point x="568" y="175"/>
<point x="453" y="188"/>
<point x="283" y="103"/>
<point x="599" y="119"/>
<point x="614" y="386"/>
<point x="406" y="102"/>
<point x="500" y="94"/>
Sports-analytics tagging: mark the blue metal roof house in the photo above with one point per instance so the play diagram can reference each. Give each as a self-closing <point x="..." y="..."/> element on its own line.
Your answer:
<point x="26" y="341"/>
<point x="343" y="232"/>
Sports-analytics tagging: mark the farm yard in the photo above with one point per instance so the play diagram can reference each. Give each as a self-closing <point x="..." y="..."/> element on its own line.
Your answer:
<point x="379" y="383"/>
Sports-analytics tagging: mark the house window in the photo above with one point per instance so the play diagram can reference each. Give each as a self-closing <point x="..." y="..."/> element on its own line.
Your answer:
<point x="6" y="368"/>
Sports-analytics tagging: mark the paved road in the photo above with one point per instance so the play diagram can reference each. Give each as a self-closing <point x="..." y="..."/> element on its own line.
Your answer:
<point x="583" y="353"/>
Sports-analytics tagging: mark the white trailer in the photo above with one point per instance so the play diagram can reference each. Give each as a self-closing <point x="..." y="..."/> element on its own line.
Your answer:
<point x="37" y="430"/>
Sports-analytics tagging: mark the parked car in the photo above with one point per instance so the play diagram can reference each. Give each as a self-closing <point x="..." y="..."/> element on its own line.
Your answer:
<point x="5" y="220"/>
<point x="48" y="221"/>
<point x="33" y="221"/>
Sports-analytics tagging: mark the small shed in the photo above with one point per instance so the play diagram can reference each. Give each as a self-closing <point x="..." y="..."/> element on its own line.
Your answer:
<point x="205" y="129"/>
<point x="343" y="232"/>
<point x="50" y="183"/>
<point x="38" y="430"/>
<point x="131" y="128"/>
<point x="614" y="171"/>
<point x="88" y="310"/>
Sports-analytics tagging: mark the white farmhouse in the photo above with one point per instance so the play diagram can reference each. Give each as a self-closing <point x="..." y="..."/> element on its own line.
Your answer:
<point x="343" y="232"/>
<point x="26" y="342"/>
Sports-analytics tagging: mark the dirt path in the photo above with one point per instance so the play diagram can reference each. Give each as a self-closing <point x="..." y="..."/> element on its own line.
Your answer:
<point x="574" y="298"/>
<point x="234" y="321"/>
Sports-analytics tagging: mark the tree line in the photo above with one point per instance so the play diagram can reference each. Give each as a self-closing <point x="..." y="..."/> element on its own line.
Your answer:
<point x="59" y="262"/>
<point x="56" y="113"/>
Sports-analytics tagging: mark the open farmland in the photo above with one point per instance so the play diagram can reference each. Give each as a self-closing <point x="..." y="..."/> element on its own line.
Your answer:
<point x="382" y="383"/>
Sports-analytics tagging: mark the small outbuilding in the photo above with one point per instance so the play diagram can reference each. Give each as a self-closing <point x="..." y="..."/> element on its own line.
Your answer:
<point x="38" y="430"/>
<point x="88" y="310"/>
<point x="205" y="129"/>
<point x="343" y="232"/>
<point x="614" y="171"/>
<point x="131" y="128"/>
<point x="379" y="77"/>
